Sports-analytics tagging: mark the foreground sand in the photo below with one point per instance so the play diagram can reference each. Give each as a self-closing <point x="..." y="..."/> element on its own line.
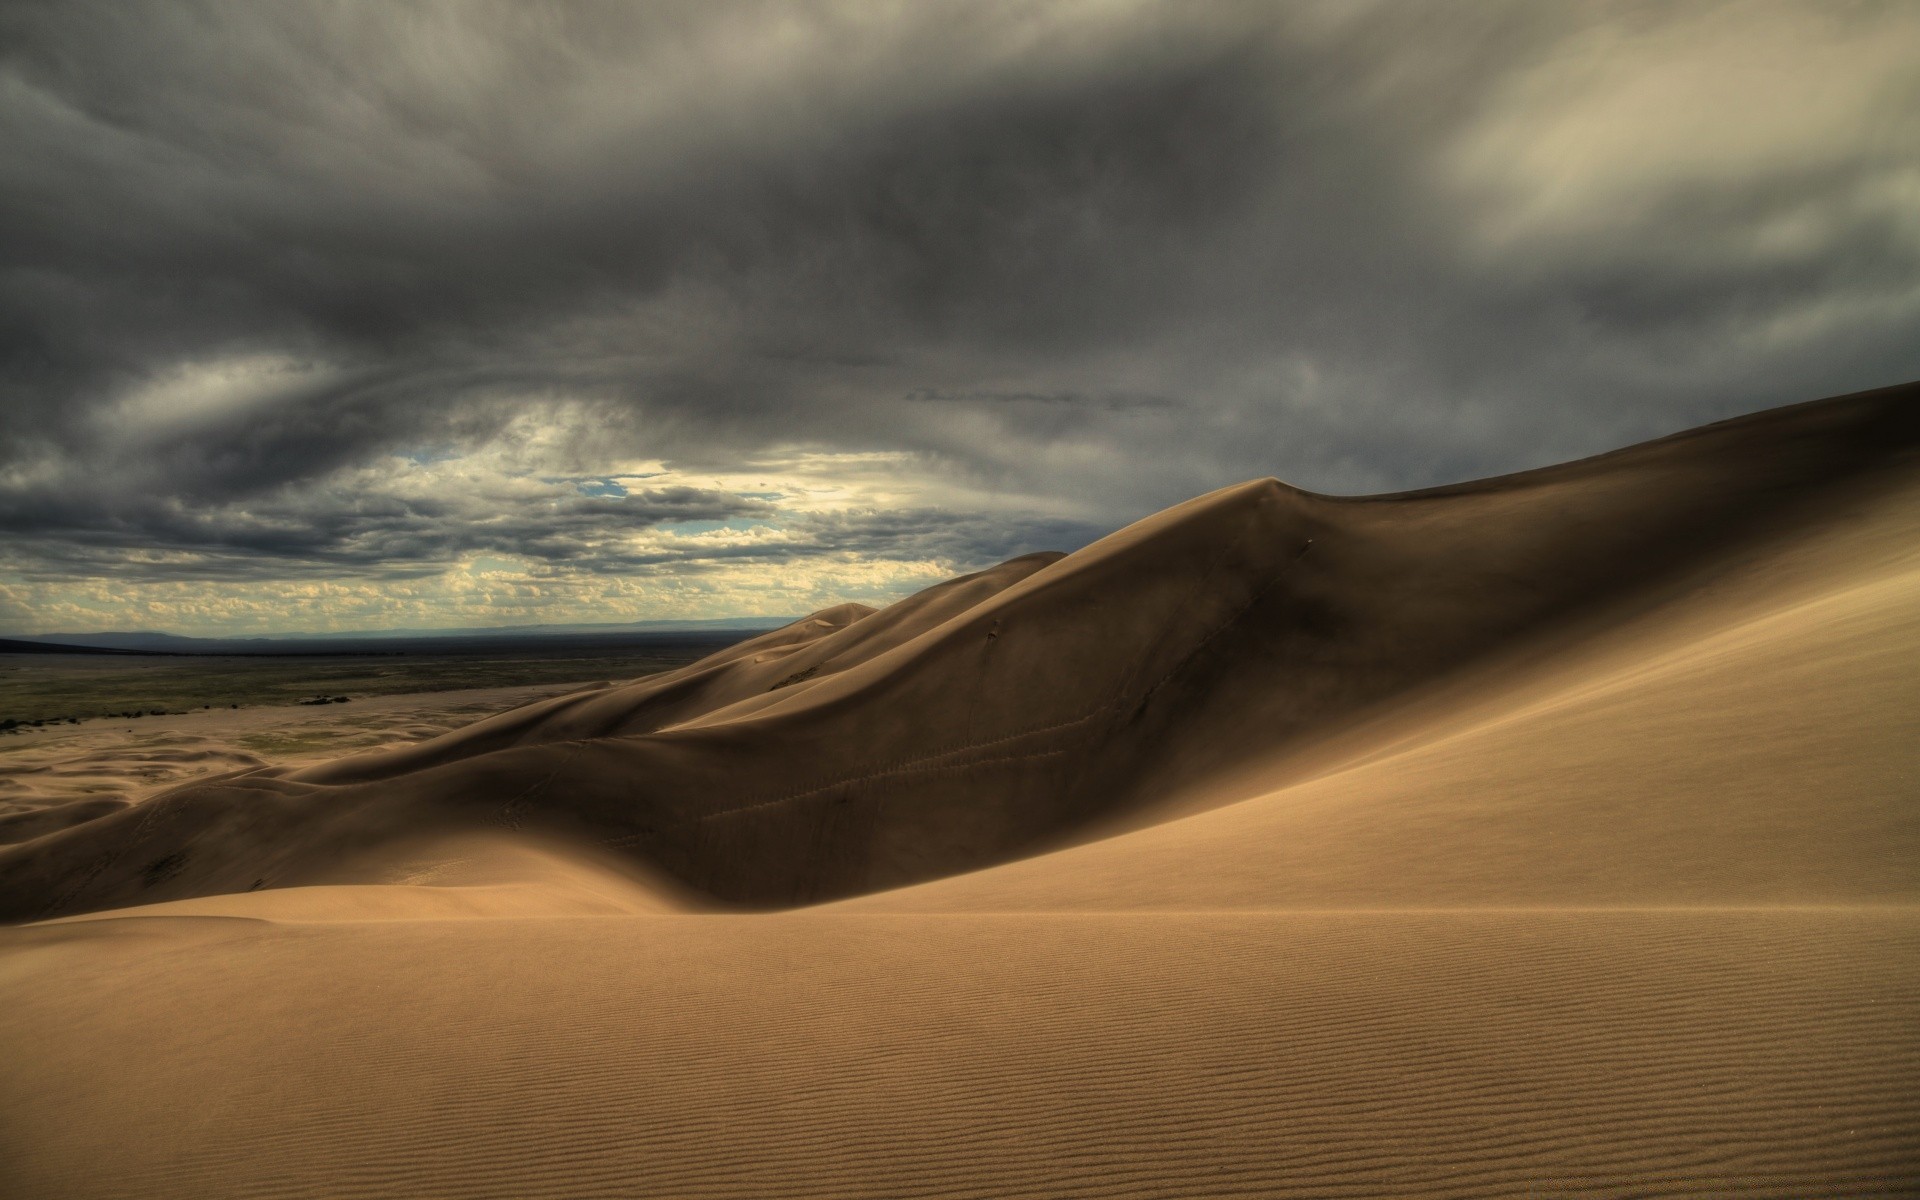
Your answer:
<point x="1455" y="1053"/>
<point x="1627" y="906"/>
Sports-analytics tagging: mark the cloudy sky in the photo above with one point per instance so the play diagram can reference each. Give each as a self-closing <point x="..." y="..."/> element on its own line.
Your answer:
<point x="354" y="316"/>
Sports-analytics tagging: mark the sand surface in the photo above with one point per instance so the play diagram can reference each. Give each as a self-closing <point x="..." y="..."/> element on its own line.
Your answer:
<point x="108" y="763"/>
<point x="1557" y="835"/>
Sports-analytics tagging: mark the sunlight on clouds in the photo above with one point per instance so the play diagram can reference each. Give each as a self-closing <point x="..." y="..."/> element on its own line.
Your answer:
<point x="493" y="536"/>
<point x="805" y="479"/>
<point x="481" y="593"/>
<point x="561" y="313"/>
<point x="1627" y="116"/>
<point x="190" y="393"/>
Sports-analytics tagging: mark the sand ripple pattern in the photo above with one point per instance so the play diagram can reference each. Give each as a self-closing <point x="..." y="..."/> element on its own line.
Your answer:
<point x="1571" y="1053"/>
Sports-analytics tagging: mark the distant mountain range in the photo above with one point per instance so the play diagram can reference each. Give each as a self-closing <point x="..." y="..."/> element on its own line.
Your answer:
<point x="28" y="646"/>
<point x="152" y="642"/>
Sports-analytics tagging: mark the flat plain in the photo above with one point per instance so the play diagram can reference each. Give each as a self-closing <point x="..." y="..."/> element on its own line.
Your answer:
<point x="58" y="688"/>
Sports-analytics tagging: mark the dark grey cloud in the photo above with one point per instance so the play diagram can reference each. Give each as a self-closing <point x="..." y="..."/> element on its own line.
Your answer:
<point x="309" y="534"/>
<point x="1091" y="258"/>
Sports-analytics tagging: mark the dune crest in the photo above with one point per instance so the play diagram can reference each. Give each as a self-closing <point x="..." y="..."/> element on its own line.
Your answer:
<point x="996" y="715"/>
<point x="1549" y="835"/>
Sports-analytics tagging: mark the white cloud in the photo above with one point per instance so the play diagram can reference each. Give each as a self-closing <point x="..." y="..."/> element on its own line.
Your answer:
<point x="1624" y="118"/>
<point x="193" y="393"/>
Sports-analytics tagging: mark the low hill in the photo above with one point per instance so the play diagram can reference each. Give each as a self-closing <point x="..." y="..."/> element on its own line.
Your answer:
<point x="999" y="714"/>
<point x="1548" y="835"/>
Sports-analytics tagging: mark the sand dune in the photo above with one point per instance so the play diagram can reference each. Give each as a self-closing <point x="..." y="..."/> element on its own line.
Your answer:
<point x="111" y="759"/>
<point x="1414" y="1054"/>
<point x="1755" y="743"/>
<point x="996" y="715"/>
<point x="1551" y="835"/>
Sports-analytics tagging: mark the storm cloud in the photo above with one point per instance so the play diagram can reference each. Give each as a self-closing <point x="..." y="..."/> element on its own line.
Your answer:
<point x="711" y="309"/>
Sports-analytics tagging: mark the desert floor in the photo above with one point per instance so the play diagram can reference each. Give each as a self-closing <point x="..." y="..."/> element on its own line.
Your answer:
<point x="122" y="759"/>
<point x="1634" y="912"/>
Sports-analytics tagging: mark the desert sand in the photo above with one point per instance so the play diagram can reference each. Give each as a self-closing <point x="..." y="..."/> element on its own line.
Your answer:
<point x="50" y="777"/>
<point x="1555" y="834"/>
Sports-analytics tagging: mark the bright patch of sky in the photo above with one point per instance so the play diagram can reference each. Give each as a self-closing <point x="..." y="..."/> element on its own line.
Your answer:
<point x="645" y="540"/>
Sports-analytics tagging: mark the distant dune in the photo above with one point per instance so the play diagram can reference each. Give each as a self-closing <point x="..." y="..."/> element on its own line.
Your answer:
<point x="1554" y="834"/>
<point x="15" y="646"/>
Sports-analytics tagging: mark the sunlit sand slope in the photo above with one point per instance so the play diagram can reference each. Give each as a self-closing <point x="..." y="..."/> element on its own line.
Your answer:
<point x="1766" y="1053"/>
<point x="1757" y="742"/>
<point x="1613" y="892"/>
<point x="1004" y="713"/>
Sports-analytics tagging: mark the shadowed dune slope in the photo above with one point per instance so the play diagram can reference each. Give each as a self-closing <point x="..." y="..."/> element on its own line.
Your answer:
<point x="995" y="715"/>
<point x="1754" y="743"/>
<point x="1553" y="836"/>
